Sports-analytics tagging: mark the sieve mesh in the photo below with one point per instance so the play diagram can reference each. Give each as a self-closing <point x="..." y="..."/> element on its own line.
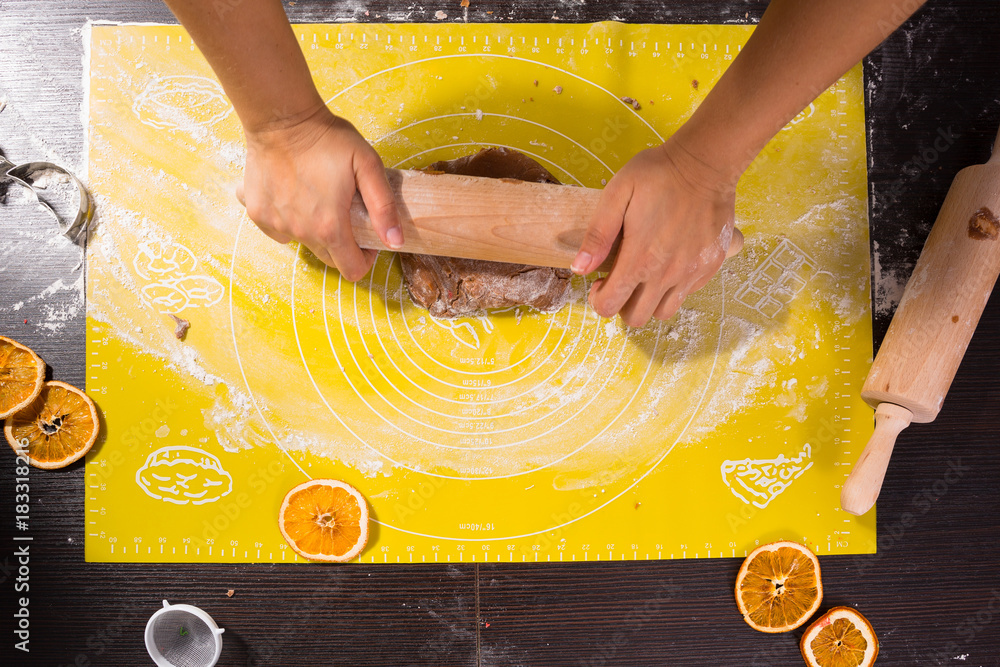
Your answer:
<point x="184" y="639"/>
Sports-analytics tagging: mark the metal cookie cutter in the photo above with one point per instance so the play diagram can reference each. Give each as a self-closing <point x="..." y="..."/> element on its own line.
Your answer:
<point x="22" y="173"/>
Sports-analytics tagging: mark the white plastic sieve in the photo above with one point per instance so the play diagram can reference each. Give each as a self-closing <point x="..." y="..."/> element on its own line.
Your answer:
<point x="181" y="635"/>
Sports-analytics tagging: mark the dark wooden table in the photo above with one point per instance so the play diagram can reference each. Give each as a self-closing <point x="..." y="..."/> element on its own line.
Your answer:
<point x="932" y="591"/>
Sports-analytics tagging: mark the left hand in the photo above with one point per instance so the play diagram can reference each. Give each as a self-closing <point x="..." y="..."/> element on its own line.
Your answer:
<point x="677" y="215"/>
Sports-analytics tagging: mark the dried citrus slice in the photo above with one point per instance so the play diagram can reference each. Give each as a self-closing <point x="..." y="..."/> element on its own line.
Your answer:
<point x="325" y="519"/>
<point x="59" y="426"/>
<point x="842" y="637"/>
<point x="779" y="587"/>
<point x="22" y="374"/>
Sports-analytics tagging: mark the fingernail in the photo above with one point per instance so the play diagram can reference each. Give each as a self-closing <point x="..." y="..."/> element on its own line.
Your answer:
<point x="394" y="237"/>
<point x="581" y="263"/>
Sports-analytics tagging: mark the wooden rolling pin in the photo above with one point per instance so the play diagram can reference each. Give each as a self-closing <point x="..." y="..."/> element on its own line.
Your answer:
<point x="935" y="320"/>
<point x="496" y="219"/>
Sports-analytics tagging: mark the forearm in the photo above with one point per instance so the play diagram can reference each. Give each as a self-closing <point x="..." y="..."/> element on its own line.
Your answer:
<point x="799" y="49"/>
<point x="253" y="51"/>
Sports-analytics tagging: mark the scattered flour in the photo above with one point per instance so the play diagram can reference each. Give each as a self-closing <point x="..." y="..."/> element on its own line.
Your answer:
<point x="42" y="179"/>
<point x="732" y="374"/>
<point x="889" y="285"/>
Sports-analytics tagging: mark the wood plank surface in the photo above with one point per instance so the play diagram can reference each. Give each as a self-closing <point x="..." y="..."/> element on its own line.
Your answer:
<point x="932" y="592"/>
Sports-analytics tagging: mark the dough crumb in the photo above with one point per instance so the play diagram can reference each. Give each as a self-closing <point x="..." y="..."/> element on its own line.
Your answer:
<point x="558" y="90"/>
<point x="984" y="225"/>
<point x="230" y="593"/>
<point x="465" y="3"/>
<point x="632" y="102"/>
<point x="535" y="82"/>
<point x="180" y="331"/>
<point x="694" y="84"/>
<point x="440" y="15"/>
<point x="479" y="114"/>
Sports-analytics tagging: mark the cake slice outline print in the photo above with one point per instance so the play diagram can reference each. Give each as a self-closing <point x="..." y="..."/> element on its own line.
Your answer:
<point x="759" y="481"/>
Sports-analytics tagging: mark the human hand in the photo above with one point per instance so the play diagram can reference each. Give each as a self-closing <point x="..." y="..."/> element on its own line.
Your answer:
<point x="299" y="183"/>
<point x="677" y="215"/>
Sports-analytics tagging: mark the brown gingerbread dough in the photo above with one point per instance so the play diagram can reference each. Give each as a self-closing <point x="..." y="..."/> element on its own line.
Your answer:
<point x="454" y="287"/>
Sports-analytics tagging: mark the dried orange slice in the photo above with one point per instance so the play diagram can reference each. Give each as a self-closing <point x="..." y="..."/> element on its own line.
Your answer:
<point x="22" y="374"/>
<point x="779" y="587"/>
<point x="59" y="426"/>
<point x="842" y="637"/>
<point x="325" y="519"/>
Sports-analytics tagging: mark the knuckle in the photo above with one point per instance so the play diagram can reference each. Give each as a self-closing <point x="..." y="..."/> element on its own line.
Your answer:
<point x="643" y="273"/>
<point x="352" y="272"/>
<point x="257" y="212"/>
<point x="345" y="236"/>
<point x="333" y="237"/>
<point x="606" y="312"/>
<point x="598" y="238"/>
<point x="332" y="243"/>
<point x="664" y="311"/>
<point x="658" y="260"/>
<point x="368" y="160"/>
<point x="600" y="307"/>
<point x="380" y="209"/>
<point x="634" y="320"/>
<point x="664" y="314"/>
<point x="298" y="233"/>
<point x="653" y="270"/>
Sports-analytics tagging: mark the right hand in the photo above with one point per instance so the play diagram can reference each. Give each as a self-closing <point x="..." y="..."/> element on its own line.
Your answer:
<point x="299" y="182"/>
<point x="677" y="214"/>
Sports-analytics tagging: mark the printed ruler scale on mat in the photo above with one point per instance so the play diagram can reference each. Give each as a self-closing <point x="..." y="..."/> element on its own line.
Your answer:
<point x="514" y="437"/>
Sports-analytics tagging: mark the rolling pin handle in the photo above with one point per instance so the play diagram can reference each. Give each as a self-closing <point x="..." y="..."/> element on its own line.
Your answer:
<point x="735" y="244"/>
<point x="862" y="487"/>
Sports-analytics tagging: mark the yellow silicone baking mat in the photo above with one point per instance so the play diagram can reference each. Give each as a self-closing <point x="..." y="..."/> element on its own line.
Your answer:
<point x="515" y="436"/>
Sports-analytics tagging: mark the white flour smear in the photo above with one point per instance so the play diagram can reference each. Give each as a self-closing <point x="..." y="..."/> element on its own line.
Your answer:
<point x="889" y="284"/>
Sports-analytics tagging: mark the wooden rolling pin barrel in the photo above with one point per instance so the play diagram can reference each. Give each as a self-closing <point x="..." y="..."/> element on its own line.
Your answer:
<point x="932" y="326"/>
<point x="495" y="219"/>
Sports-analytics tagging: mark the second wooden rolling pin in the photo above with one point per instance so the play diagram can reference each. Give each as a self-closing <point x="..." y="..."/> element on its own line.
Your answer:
<point x="933" y="324"/>
<point x="496" y="219"/>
